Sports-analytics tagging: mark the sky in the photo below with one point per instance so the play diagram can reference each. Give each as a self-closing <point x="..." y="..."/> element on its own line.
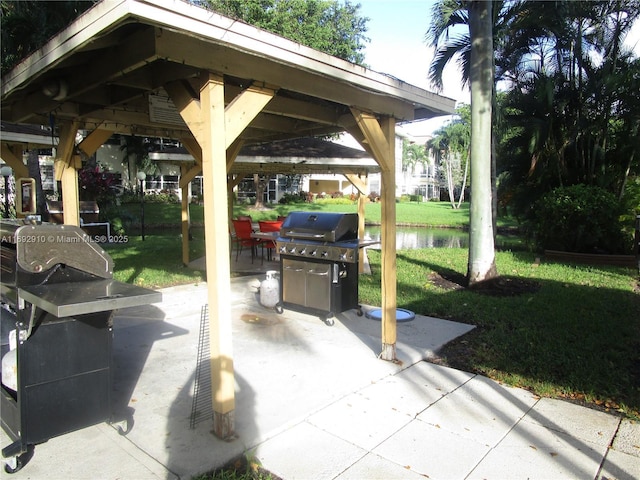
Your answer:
<point x="397" y="31"/>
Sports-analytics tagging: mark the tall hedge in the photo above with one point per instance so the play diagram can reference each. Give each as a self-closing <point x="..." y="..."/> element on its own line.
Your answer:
<point x="579" y="218"/>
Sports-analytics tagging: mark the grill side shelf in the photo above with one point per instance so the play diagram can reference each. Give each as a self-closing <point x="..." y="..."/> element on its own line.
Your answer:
<point x="79" y="298"/>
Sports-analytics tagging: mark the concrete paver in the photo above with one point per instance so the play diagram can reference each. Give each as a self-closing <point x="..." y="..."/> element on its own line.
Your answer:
<point x="374" y="467"/>
<point x="628" y="438"/>
<point x="480" y="409"/>
<point x="620" y="466"/>
<point x="306" y="451"/>
<point x="361" y="420"/>
<point x="432" y="451"/>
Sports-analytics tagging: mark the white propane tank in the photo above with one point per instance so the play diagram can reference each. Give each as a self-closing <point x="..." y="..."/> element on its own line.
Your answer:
<point x="270" y="290"/>
<point x="10" y="364"/>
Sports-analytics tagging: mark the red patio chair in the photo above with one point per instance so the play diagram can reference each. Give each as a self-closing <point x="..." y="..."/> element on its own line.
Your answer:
<point x="269" y="226"/>
<point x="243" y="237"/>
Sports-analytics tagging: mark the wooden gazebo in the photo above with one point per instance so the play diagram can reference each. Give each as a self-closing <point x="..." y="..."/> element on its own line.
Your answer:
<point x="169" y="69"/>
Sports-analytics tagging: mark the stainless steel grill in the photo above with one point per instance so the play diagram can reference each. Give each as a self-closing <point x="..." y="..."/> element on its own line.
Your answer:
<point x="58" y="298"/>
<point x="319" y="263"/>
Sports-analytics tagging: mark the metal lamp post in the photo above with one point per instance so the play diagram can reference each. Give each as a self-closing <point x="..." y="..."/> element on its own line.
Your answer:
<point x="6" y="172"/>
<point x="142" y="176"/>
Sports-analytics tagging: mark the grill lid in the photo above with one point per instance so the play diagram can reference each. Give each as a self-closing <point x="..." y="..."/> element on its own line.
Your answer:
<point x="41" y="247"/>
<point x="320" y="226"/>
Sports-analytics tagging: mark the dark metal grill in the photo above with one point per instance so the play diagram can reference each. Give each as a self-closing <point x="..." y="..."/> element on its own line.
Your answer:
<point x="58" y="298"/>
<point x="319" y="263"/>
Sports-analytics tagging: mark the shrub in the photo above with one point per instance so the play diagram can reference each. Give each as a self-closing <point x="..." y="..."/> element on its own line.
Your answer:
<point x="580" y="218"/>
<point x="163" y="196"/>
<point x="328" y="200"/>
<point x="288" y="198"/>
<point x="96" y="183"/>
<point x="119" y="218"/>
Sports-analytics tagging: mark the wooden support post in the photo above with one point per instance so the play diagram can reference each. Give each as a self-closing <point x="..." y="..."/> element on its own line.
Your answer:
<point x="66" y="170"/>
<point x="380" y="140"/>
<point x="361" y="186"/>
<point x="362" y="200"/>
<point x="388" y="234"/>
<point x="70" y="194"/>
<point x="186" y="220"/>
<point x="216" y="128"/>
<point x="214" y="162"/>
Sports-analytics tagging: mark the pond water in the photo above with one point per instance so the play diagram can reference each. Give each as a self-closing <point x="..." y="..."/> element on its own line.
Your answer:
<point x="423" y="237"/>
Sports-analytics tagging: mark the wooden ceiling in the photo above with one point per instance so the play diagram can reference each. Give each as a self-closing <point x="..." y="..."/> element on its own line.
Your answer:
<point x="109" y="69"/>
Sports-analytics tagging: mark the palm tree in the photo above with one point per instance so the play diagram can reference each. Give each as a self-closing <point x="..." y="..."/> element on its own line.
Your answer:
<point x="450" y="147"/>
<point x="475" y="56"/>
<point x="573" y="102"/>
<point x="482" y="264"/>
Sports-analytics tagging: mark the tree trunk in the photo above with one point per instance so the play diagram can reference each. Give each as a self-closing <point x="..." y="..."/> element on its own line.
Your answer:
<point x="450" y="184"/>
<point x="464" y="184"/>
<point x="261" y="183"/>
<point x="481" y="244"/>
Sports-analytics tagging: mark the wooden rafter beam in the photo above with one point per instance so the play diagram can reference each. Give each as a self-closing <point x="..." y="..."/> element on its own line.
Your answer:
<point x="357" y="181"/>
<point x="243" y="109"/>
<point x="110" y="64"/>
<point x="189" y="175"/>
<point x="215" y="57"/>
<point x="66" y="148"/>
<point x="375" y="138"/>
<point x="92" y="142"/>
<point x="239" y="113"/>
<point x="232" y="152"/>
<point x="192" y="146"/>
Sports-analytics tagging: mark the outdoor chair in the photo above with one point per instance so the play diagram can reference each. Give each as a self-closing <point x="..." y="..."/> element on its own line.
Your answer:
<point x="243" y="238"/>
<point x="269" y="226"/>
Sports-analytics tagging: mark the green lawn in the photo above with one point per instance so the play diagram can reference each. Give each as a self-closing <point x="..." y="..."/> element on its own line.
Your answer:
<point x="408" y="213"/>
<point x="577" y="337"/>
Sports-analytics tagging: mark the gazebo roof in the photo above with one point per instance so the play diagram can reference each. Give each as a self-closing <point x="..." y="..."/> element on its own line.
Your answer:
<point x="108" y="68"/>
<point x="29" y="135"/>
<point x="302" y="155"/>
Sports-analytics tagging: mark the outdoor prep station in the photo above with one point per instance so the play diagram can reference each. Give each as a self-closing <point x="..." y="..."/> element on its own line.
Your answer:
<point x="166" y="68"/>
<point x="58" y="299"/>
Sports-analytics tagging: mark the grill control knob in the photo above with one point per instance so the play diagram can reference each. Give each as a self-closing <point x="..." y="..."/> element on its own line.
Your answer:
<point x="283" y="249"/>
<point x="292" y="250"/>
<point x="313" y="252"/>
<point x="302" y="251"/>
<point x="324" y="254"/>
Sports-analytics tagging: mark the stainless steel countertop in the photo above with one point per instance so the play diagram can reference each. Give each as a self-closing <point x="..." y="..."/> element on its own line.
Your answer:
<point x="78" y="298"/>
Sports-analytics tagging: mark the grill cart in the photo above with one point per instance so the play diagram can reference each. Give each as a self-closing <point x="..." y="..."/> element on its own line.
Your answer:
<point x="58" y="298"/>
<point x="319" y="263"/>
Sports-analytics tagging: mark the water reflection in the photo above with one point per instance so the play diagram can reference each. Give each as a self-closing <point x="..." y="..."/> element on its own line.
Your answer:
<point x="412" y="237"/>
